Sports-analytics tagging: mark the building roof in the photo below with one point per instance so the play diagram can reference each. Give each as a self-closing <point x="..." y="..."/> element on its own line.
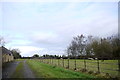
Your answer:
<point x="5" y="50"/>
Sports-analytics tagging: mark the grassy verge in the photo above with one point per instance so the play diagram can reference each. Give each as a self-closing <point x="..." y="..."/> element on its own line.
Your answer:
<point x="18" y="72"/>
<point x="42" y="70"/>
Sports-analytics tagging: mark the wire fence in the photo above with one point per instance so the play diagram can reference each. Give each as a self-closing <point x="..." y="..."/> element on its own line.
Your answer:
<point x="111" y="67"/>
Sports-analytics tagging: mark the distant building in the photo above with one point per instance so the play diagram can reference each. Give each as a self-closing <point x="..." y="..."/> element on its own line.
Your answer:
<point x="7" y="56"/>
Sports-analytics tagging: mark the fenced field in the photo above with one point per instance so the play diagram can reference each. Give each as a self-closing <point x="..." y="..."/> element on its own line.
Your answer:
<point x="110" y="67"/>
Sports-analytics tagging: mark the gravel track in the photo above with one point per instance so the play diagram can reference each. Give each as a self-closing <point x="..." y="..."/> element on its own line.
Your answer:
<point x="8" y="71"/>
<point x="27" y="71"/>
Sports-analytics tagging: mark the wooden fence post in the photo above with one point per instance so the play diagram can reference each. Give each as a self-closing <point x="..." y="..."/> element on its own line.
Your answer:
<point x="98" y="66"/>
<point x="75" y="64"/>
<point x="47" y="61"/>
<point x="52" y="61"/>
<point x="63" y="62"/>
<point x="119" y="67"/>
<point x="85" y="64"/>
<point x="68" y="63"/>
<point x="58" y="62"/>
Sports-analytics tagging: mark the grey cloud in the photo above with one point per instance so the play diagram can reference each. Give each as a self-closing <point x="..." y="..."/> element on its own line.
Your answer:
<point x="54" y="32"/>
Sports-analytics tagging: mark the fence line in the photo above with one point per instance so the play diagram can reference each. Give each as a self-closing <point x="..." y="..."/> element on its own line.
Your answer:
<point x="85" y="63"/>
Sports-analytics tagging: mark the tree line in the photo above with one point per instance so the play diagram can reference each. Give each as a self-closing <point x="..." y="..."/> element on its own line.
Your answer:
<point x="96" y="47"/>
<point x="84" y="47"/>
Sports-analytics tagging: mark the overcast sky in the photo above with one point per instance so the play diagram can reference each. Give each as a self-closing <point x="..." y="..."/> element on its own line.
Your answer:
<point x="48" y="27"/>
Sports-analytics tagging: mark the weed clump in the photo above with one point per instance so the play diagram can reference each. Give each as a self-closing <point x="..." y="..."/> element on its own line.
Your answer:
<point x="67" y="67"/>
<point x="83" y="70"/>
<point x="107" y="75"/>
<point x="96" y="73"/>
<point x="90" y="72"/>
<point x="102" y="75"/>
<point x="54" y="66"/>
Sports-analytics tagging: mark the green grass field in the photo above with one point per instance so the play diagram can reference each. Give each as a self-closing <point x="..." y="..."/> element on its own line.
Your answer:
<point x="42" y="70"/>
<point x="106" y="66"/>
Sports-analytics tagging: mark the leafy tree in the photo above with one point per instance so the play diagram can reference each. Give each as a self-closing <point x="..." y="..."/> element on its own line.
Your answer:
<point x="106" y="48"/>
<point x="35" y="56"/>
<point x="96" y="48"/>
<point x="16" y="53"/>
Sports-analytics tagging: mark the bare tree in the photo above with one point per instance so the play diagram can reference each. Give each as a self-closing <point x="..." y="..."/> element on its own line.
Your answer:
<point x="88" y="47"/>
<point x="76" y="47"/>
<point x="2" y="41"/>
<point x="115" y="41"/>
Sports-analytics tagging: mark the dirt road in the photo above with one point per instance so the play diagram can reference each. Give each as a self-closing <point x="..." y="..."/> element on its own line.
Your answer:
<point x="27" y="71"/>
<point x="11" y="67"/>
